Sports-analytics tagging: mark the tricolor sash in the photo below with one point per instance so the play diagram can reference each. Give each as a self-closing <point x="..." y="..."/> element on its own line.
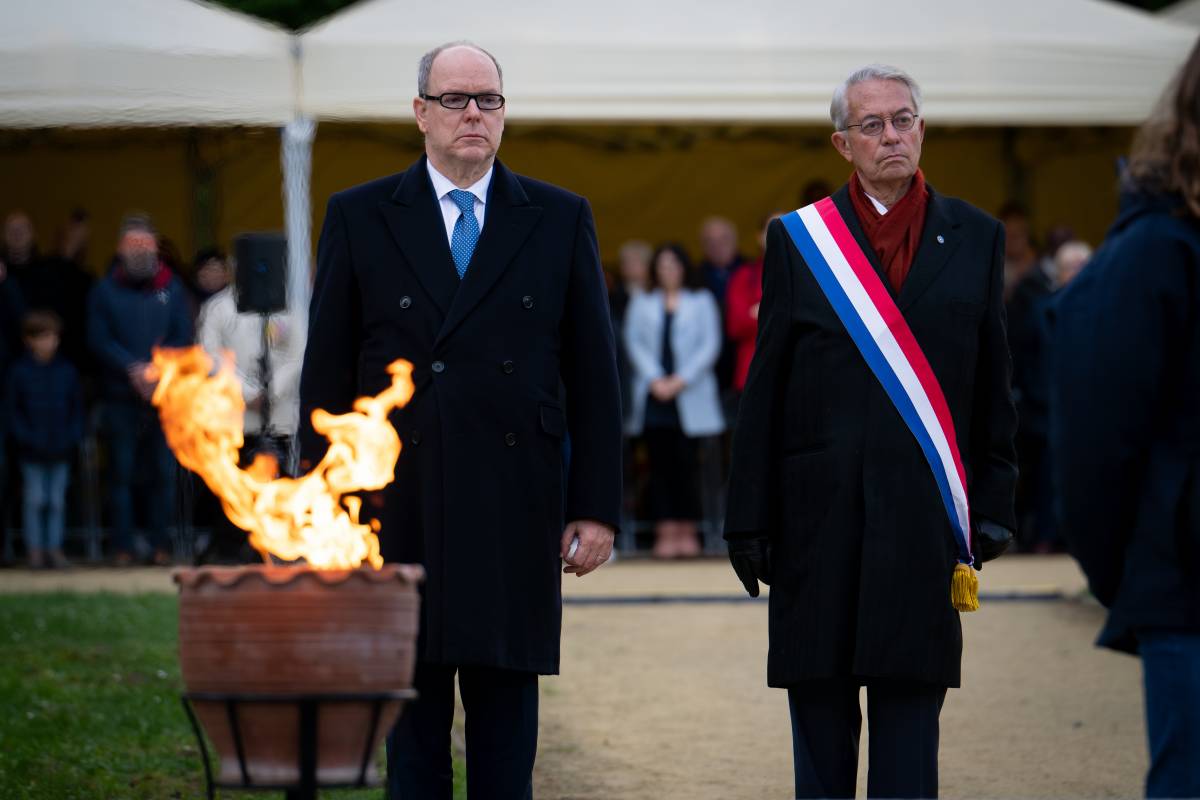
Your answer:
<point x="879" y="330"/>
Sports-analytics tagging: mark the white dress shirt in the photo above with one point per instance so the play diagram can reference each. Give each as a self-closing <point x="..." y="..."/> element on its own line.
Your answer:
<point x="880" y="207"/>
<point x="442" y="186"/>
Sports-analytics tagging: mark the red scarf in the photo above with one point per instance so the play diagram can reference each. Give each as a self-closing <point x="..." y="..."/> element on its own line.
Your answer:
<point x="894" y="236"/>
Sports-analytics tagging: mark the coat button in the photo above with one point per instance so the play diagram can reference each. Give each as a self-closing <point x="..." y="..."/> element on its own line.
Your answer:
<point x="405" y="301"/>
<point x="415" y="438"/>
<point x="508" y="367"/>
<point x="438" y="366"/>
<point x="527" y="301"/>
<point x="510" y="439"/>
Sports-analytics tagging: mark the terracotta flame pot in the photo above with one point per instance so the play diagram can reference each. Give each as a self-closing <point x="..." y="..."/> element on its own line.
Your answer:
<point x="277" y="633"/>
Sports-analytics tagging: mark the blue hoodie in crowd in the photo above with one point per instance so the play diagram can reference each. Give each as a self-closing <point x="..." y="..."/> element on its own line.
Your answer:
<point x="128" y="318"/>
<point x="43" y="409"/>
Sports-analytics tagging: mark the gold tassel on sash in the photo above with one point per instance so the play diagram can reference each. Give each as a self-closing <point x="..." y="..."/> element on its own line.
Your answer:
<point x="964" y="588"/>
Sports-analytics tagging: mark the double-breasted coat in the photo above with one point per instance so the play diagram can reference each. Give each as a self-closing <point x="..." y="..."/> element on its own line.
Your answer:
<point x="823" y="464"/>
<point x="514" y="426"/>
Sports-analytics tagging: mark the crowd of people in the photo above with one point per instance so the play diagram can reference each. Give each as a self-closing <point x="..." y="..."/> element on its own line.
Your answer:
<point x="74" y="358"/>
<point x="74" y="351"/>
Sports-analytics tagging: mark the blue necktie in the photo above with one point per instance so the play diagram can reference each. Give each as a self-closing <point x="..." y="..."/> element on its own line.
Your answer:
<point x="466" y="230"/>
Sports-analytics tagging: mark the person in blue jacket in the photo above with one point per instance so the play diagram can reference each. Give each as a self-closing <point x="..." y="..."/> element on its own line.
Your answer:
<point x="1125" y="428"/>
<point x="138" y="306"/>
<point x="43" y="408"/>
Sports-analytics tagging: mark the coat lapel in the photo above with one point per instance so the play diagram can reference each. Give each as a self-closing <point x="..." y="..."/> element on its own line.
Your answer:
<point x="931" y="255"/>
<point x="415" y="221"/>
<point x="508" y="221"/>
<point x="939" y="240"/>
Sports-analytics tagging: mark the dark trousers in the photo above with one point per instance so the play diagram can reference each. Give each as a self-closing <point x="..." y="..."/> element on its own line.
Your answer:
<point x="1171" y="670"/>
<point x="138" y="448"/>
<point x="674" y="478"/>
<point x="501" y="735"/>
<point x="826" y="721"/>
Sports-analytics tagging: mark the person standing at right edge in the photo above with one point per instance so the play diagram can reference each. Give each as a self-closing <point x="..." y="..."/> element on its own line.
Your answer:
<point x="873" y="460"/>
<point x="1125" y="428"/>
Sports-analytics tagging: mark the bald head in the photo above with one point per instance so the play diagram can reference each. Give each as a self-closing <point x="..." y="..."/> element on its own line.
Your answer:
<point x="425" y="66"/>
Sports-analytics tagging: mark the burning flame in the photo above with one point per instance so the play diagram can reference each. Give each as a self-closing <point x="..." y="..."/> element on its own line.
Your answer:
<point x="292" y="518"/>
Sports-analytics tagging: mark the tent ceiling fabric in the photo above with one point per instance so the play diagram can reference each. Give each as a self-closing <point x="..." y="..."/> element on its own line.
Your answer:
<point x="1021" y="62"/>
<point x="141" y="62"/>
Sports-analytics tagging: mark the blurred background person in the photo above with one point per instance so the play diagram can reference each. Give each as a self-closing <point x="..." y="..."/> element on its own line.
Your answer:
<point x="1027" y="285"/>
<point x="57" y="283"/>
<point x="673" y="337"/>
<point x="210" y="274"/>
<point x="1069" y="261"/>
<point x="633" y="269"/>
<point x="12" y="309"/>
<point x="271" y="389"/>
<point x="1020" y="253"/>
<point x="138" y="306"/>
<point x="43" y="409"/>
<point x="719" y="254"/>
<point x="741" y="309"/>
<point x="74" y="239"/>
<point x="1037" y="498"/>
<point x="20" y="244"/>
<point x="719" y="263"/>
<point x="1126" y="428"/>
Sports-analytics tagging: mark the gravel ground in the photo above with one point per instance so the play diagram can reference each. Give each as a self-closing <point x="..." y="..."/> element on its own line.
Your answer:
<point x="669" y="701"/>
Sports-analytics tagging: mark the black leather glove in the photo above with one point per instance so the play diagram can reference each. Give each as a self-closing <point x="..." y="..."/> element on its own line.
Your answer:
<point x="751" y="560"/>
<point x="991" y="541"/>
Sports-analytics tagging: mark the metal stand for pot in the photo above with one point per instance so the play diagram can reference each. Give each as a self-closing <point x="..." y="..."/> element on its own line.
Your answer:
<point x="309" y="706"/>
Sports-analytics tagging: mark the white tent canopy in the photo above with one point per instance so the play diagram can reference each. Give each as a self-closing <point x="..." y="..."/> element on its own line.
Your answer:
<point x="141" y="62"/>
<point x="1020" y="62"/>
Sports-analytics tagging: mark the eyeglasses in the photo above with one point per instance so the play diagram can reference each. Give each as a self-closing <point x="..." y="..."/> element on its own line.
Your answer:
<point x="456" y="101"/>
<point x="873" y="126"/>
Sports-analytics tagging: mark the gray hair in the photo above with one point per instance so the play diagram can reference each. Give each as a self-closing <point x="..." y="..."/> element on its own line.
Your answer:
<point x="136" y="221"/>
<point x="425" y="65"/>
<point x="839" y="109"/>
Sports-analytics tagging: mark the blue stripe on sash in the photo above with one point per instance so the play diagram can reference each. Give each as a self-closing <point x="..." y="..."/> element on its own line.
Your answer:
<point x="877" y="362"/>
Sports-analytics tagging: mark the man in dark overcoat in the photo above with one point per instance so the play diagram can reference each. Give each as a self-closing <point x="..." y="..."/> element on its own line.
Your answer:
<point x="490" y="284"/>
<point x="831" y="500"/>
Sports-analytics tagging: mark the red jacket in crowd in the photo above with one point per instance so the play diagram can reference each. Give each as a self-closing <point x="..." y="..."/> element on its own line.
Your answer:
<point x="741" y="317"/>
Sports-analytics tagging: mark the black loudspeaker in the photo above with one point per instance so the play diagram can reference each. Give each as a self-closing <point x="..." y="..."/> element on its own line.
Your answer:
<point x="261" y="277"/>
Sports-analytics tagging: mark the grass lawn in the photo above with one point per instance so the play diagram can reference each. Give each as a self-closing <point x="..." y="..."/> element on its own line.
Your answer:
<point x="89" y="703"/>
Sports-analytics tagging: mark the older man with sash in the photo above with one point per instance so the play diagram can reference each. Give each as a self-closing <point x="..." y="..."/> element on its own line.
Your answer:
<point x="873" y="462"/>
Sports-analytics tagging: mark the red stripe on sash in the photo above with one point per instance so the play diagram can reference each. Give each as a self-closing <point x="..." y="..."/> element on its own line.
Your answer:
<point x="896" y="323"/>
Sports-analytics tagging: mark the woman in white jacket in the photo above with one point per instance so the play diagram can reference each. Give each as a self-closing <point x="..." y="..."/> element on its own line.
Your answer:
<point x="673" y="337"/>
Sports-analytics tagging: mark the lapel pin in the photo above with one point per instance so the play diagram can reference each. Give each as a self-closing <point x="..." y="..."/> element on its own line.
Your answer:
<point x="941" y="239"/>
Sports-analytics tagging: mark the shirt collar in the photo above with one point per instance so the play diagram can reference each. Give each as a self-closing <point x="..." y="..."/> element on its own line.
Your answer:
<point x="442" y="185"/>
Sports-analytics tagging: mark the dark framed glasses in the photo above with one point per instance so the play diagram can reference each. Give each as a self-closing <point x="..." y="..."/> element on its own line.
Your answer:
<point x="457" y="101"/>
<point x="873" y="126"/>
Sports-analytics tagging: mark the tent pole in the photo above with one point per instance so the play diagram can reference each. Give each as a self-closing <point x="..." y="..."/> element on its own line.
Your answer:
<point x="297" y="166"/>
<point x="296" y="155"/>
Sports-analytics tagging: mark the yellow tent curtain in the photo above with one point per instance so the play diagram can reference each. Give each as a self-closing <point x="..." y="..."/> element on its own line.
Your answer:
<point x="650" y="182"/>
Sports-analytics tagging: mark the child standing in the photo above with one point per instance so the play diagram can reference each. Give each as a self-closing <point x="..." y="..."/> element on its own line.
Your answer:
<point x="44" y="409"/>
